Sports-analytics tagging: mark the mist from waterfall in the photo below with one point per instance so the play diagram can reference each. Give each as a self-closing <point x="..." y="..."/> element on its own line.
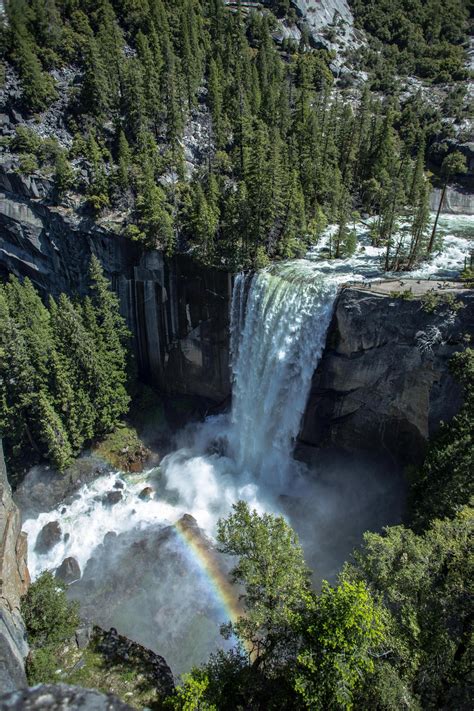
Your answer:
<point x="152" y="592"/>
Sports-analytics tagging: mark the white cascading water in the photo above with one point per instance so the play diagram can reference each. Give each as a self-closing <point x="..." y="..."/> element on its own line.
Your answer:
<point x="279" y="321"/>
<point x="280" y="317"/>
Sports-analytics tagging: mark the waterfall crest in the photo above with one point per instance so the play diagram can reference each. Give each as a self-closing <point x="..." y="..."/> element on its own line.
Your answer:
<point x="279" y="322"/>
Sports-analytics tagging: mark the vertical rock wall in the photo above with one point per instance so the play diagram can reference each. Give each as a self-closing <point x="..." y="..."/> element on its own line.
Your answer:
<point x="177" y="310"/>
<point x="14" y="581"/>
<point x="383" y="383"/>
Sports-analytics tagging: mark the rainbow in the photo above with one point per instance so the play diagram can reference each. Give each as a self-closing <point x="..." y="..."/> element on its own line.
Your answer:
<point x="223" y="590"/>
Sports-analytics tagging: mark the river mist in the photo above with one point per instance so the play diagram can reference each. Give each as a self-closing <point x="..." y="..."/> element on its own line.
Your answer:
<point x="138" y="573"/>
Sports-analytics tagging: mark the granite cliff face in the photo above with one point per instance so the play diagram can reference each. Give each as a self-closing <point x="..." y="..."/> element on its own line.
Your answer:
<point x="383" y="382"/>
<point x="14" y="581"/>
<point x="176" y="309"/>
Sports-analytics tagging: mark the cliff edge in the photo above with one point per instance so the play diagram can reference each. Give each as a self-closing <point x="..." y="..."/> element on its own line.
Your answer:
<point x="14" y="581"/>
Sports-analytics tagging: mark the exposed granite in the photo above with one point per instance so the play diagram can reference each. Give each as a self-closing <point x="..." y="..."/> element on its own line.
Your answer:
<point x="177" y="310"/>
<point x="383" y="382"/>
<point x="14" y="581"/>
<point x="61" y="697"/>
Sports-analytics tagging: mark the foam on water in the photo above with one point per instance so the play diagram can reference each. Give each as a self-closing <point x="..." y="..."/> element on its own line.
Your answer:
<point x="278" y="328"/>
<point x="279" y="322"/>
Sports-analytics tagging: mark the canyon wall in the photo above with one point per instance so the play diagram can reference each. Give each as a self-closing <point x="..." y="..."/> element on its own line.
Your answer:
<point x="177" y="310"/>
<point x="14" y="581"/>
<point x="383" y="382"/>
<point x="375" y="387"/>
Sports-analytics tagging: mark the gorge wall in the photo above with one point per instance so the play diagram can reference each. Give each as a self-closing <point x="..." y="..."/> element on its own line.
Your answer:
<point x="383" y="382"/>
<point x="176" y="310"/>
<point x="374" y="387"/>
<point x="14" y="581"/>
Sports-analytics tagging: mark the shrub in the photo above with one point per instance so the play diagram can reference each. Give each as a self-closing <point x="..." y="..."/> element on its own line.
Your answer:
<point x="49" y="617"/>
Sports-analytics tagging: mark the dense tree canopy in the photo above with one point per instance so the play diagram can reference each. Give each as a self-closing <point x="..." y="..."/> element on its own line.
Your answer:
<point x="280" y="153"/>
<point x="62" y="370"/>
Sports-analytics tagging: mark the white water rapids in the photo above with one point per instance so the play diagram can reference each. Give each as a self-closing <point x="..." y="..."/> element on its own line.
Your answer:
<point x="279" y="321"/>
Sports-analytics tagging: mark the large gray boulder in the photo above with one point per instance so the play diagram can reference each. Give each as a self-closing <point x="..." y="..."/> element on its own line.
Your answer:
<point x="61" y="697"/>
<point x="48" y="537"/>
<point x="69" y="570"/>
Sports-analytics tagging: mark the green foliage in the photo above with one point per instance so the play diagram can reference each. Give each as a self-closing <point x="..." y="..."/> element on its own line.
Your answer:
<point x="444" y="483"/>
<point x="272" y="569"/>
<point x="190" y="694"/>
<point x="343" y="633"/>
<point x="308" y="650"/>
<point x="422" y="37"/>
<point x="63" y="173"/>
<point x="62" y="371"/>
<point x="28" y="163"/>
<point x="49" y="617"/>
<point x="424" y="582"/>
<point x="433" y="301"/>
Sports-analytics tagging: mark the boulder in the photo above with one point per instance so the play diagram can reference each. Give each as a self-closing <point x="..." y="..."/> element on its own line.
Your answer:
<point x="69" y="570"/>
<point x="48" y="537"/>
<point x="111" y="498"/>
<point x="146" y="493"/>
<point x="60" y="697"/>
<point x="84" y="635"/>
<point x="118" y="649"/>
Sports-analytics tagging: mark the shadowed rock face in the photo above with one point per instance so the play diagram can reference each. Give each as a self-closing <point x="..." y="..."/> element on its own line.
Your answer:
<point x="177" y="310"/>
<point x="60" y="697"/>
<point x="14" y="581"/>
<point x="383" y="382"/>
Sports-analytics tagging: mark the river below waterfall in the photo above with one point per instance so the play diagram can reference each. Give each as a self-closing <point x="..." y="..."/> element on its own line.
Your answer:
<point x="139" y="574"/>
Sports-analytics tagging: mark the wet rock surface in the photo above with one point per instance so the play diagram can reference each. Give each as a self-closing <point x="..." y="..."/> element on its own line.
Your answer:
<point x="61" y="697"/>
<point x="48" y="537"/>
<point x="69" y="570"/>
<point x="111" y="498"/>
<point x="383" y="382"/>
<point x="44" y="488"/>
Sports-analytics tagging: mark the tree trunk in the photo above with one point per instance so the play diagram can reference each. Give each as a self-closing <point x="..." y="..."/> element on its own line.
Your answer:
<point x="435" y="226"/>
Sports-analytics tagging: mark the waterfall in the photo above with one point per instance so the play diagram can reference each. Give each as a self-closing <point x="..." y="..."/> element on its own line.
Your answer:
<point x="279" y="321"/>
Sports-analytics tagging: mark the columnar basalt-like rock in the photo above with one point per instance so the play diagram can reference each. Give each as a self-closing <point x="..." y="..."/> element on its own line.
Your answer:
<point x="384" y="382"/>
<point x="14" y="581"/>
<point x="177" y="310"/>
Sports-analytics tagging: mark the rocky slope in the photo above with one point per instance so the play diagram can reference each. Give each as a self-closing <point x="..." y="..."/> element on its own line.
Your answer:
<point x="14" y="581"/>
<point x="384" y="382"/>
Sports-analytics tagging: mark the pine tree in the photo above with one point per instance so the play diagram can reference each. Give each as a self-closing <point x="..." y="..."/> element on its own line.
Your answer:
<point x="124" y="159"/>
<point x="98" y="184"/>
<point x="96" y="93"/>
<point x="154" y="218"/>
<point x="38" y="87"/>
<point x="149" y="53"/>
<point x="216" y="102"/>
<point x="134" y="103"/>
<point x="64" y="174"/>
<point x="453" y="164"/>
<point x="111" y="335"/>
